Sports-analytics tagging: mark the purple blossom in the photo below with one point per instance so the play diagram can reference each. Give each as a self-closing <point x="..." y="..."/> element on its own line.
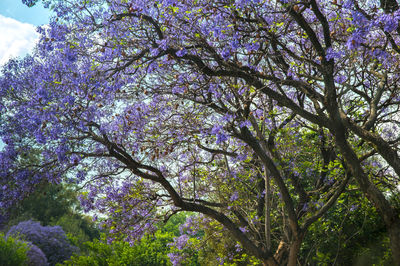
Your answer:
<point x="50" y="239"/>
<point x="178" y="89"/>
<point x="244" y="229"/>
<point x="162" y="44"/>
<point x="154" y="51"/>
<point x="353" y="207"/>
<point x="40" y="138"/>
<point x="217" y="130"/>
<point x="389" y="22"/>
<point x="305" y="207"/>
<point x="61" y="152"/>
<point x="35" y="255"/>
<point x="221" y="137"/>
<point x="29" y="3"/>
<point x="181" y="52"/>
<point x="245" y="123"/>
<point x="340" y="79"/>
<point x="355" y="40"/>
<point x="332" y="54"/>
<point x="238" y="247"/>
<point x="181" y="241"/>
<point x="349" y="4"/>
<point x="42" y="94"/>
<point x="359" y="19"/>
<point x="69" y="100"/>
<point x="234" y="196"/>
<point x="253" y="46"/>
<point x="226" y="54"/>
<point x="175" y="258"/>
<point x="391" y="25"/>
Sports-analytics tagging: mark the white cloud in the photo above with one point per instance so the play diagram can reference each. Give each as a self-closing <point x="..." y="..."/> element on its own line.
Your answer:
<point x="16" y="38"/>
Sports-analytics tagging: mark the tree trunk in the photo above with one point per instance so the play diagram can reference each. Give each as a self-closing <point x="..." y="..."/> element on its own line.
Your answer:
<point x="281" y="253"/>
<point x="270" y="262"/>
<point x="294" y="251"/>
<point x="383" y="206"/>
<point x="267" y="210"/>
<point x="374" y="195"/>
<point x="394" y="235"/>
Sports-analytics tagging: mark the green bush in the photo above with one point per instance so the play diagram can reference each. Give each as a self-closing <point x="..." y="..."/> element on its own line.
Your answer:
<point x="152" y="250"/>
<point x="12" y="251"/>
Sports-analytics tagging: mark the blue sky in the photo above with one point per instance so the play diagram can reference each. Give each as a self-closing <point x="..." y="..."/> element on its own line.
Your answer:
<point x="18" y="27"/>
<point x="36" y="15"/>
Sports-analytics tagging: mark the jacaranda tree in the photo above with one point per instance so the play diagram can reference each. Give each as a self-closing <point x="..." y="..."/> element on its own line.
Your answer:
<point x="254" y="113"/>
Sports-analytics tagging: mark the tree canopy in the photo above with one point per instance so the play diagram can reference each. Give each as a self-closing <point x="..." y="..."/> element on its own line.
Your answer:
<point x="257" y="114"/>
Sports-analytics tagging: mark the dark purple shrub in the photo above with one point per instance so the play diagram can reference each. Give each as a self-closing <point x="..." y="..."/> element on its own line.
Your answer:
<point x="35" y="256"/>
<point x="50" y="239"/>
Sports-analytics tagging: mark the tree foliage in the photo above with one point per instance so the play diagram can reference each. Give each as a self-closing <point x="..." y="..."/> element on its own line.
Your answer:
<point x="257" y="114"/>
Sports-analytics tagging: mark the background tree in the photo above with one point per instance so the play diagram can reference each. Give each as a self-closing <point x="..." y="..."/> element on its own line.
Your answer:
<point x="199" y="104"/>
<point x="55" y="204"/>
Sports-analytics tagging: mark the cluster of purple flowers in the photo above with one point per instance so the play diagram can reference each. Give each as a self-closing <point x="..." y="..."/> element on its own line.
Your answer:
<point x="50" y="240"/>
<point x="35" y="255"/>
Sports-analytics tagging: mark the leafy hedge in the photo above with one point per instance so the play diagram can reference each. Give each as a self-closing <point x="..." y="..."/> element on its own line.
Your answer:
<point x="151" y="250"/>
<point x="12" y="251"/>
